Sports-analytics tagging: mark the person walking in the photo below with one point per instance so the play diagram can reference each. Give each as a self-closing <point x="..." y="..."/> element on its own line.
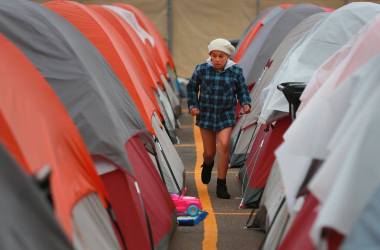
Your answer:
<point x="213" y="91"/>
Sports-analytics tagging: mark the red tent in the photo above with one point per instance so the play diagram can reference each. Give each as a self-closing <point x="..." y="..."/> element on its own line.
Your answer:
<point x="261" y="158"/>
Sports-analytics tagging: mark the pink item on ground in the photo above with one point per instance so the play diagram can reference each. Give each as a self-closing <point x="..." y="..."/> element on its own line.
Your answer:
<point x="186" y="205"/>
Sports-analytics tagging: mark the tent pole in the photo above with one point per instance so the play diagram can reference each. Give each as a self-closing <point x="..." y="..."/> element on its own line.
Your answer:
<point x="170" y="25"/>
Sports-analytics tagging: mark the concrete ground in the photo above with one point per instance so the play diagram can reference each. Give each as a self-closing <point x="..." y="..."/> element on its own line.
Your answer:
<point x="224" y="227"/>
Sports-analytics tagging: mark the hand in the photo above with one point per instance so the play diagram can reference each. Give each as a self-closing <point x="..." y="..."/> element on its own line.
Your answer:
<point x="246" y="108"/>
<point x="194" y="111"/>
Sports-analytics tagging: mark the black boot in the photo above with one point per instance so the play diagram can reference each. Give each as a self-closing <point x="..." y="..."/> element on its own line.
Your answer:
<point x="221" y="189"/>
<point x="206" y="172"/>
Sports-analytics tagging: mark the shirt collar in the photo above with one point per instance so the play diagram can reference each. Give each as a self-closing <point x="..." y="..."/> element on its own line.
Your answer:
<point x="229" y="63"/>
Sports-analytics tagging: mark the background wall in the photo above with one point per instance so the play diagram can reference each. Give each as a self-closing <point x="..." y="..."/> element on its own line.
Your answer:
<point x="195" y="23"/>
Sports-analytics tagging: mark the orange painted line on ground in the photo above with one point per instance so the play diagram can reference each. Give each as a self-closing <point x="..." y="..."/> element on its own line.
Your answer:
<point x="210" y="228"/>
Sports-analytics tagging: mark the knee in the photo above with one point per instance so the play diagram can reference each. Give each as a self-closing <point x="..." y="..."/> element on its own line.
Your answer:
<point x="223" y="146"/>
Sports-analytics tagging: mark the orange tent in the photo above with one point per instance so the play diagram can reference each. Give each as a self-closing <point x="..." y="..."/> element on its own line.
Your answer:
<point x="160" y="46"/>
<point x="131" y="38"/>
<point x="127" y="66"/>
<point x="38" y="132"/>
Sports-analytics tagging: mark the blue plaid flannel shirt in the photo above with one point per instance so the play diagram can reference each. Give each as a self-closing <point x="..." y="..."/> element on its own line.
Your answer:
<point x="215" y="94"/>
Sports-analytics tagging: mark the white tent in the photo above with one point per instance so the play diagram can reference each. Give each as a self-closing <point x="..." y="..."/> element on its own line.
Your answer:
<point x="350" y="172"/>
<point x="309" y="53"/>
<point x="244" y="131"/>
<point x="300" y="146"/>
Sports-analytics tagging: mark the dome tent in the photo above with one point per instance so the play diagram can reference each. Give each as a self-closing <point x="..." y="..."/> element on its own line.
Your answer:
<point x="104" y="114"/>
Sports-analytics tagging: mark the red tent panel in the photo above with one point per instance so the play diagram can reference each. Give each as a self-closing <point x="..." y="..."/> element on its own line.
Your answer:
<point x="266" y="156"/>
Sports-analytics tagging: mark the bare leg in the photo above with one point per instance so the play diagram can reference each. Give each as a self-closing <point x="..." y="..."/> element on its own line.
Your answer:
<point x="209" y="149"/>
<point x="209" y="145"/>
<point x="223" y="142"/>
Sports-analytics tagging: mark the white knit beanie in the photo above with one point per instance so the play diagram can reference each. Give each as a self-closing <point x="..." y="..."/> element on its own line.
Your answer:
<point x="221" y="44"/>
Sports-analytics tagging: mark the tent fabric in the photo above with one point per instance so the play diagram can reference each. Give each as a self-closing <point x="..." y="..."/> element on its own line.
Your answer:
<point x="27" y="221"/>
<point x="84" y="67"/>
<point x="254" y="27"/>
<point x="271" y="35"/>
<point x="260" y="165"/>
<point x="195" y="23"/>
<point x="91" y="221"/>
<point x="104" y="36"/>
<point x="123" y="58"/>
<point x="91" y="22"/>
<point x="161" y="51"/>
<point x="131" y="19"/>
<point x="309" y="53"/>
<point x="248" y="123"/>
<point x="148" y="40"/>
<point x="158" y="204"/>
<point x="126" y="24"/>
<point x="94" y="97"/>
<point x="350" y="119"/>
<point x="169" y="160"/>
<point x="297" y="148"/>
<point x="172" y="96"/>
<point x="132" y="221"/>
<point x="160" y="44"/>
<point x="343" y="164"/>
<point x="271" y="199"/>
<point x="165" y="106"/>
<point x="126" y="203"/>
<point x="276" y="230"/>
<point x="297" y="237"/>
<point x="366" y="231"/>
<point x="127" y="65"/>
<point x="27" y="107"/>
<point x="252" y="157"/>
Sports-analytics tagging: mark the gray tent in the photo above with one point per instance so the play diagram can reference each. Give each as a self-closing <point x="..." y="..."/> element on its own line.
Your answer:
<point x="267" y="13"/>
<point x="270" y="36"/>
<point x="96" y="101"/>
<point x="27" y="222"/>
<point x="244" y="130"/>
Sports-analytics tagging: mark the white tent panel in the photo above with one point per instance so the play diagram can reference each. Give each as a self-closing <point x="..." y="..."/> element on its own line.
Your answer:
<point x="130" y="18"/>
<point x="168" y="157"/>
<point x="299" y="146"/>
<point x="354" y="153"/>
<point x="174" y="101"/>
<point x="92" y="226"/>
<point x="309" y="53"/>
<point x="166" y="110"/>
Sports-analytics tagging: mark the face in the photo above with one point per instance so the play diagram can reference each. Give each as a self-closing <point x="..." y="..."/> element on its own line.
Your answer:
<point x="218" y="59"/>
